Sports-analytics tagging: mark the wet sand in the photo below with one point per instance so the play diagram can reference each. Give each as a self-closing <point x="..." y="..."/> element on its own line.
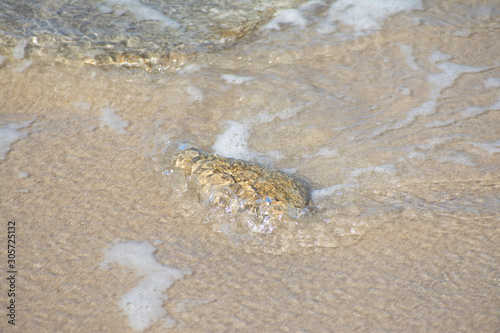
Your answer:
<point x="87" y="186"/>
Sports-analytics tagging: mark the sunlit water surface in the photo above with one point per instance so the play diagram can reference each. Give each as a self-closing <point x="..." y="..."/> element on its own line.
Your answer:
<point x="384" y="121"/>
<point x="387" y="110"/>
<point x="383" y="109"/>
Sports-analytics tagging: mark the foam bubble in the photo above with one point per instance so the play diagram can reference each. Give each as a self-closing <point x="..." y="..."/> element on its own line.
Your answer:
<point x="329" y="191"/>
<point x="144" y="303"/>
<point x="425" y="109"/>
<point x="492" y="82"/>
<point x="105" y="9"/>
<point x="439" y="123"/>
<point x="195" y="93"/>
<point x="438" y="81"/>
<point x="492" y="147"/>
<point x="365" y="15"/>
<point x="190" y="68"/>
<point x="9" y="135"/>
<point x="454" y="157"/>
<point x="18" y="50"/>
<point x="410" y="57"/>
<point x="144" y="12"/>
<point x="386" y="168"/>
<point x="473" y="111"/>
<point x="438" y="56"/>
<point x="462" y="33"/>
<point x="235" y="79"/>
<point x="22" y="174"/>
<point x="286" y="16"/>
<point x="326" y="152"/>
<point x="22" y="65"/>
<point x="266" y="117"/>
<point x="449" y="73"/>
<point x="234" y="142"/>
<point x="112" y="120"/>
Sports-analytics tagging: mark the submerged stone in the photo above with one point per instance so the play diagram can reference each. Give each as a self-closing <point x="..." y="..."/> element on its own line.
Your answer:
<point x="238" y="185"/>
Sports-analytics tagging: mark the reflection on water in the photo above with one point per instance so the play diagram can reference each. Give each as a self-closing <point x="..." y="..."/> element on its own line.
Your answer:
<point x="153" y="35"/>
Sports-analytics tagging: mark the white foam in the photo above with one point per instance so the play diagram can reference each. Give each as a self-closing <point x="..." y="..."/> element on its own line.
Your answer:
<point x="439" y="123"/>
<point x="329" y="191"/>
<point x="190" y="68"/>
<point x="234" y="142"/>
<point x="18" y="50"/>
<point x="425" y="109"/>
<point x="289" y="170"/>
<point x="112" y="120"/>
<point x="495" y="106"/>
<point x="438" y="81"/>
<point x="195" y="93"/>
<point x="144" y="12"/>
<point x="404" y="91"/>
<point x="492" y="82"/>
<point x="438" y="56"/>
<point x="265" y="117"/>
<point x="386" y="168"/>
<point x="105" y="9"/>
<point x="275" y="154"/>
<point x="9" y="135"/>
<point x="462" y="33"/>
<point x="286" y="16"/>
<point x="144" y="303"/>
<point x="410" y="57"/>
<point x="492" y="147"/>
<point x="326" y="152"/>
<point x="235" y="79"/>
<point x="364" y="15"/>
<point x="454" y="157"/>
<point x="22" y="65"/>
<point x="473" y="111"/>
<point x="449" y="73"/>
<point x="22" y="174"/>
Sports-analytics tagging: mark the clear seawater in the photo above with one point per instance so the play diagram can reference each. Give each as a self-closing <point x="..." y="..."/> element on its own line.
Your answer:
<point x="373" y="103"/>
<point x="388" y="109"/>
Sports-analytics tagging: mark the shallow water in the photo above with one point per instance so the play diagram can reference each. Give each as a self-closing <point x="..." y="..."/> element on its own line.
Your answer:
<point x="381" y="123"/>
<point x="390" y="115"/>
<point x="153" y="35"/>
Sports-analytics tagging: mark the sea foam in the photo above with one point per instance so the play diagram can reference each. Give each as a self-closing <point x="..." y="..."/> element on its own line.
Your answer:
<point x="235" y="79"/>
<point x="365" y="15"/>
<point x="449" y="73"/>
<point x="234" y="142"/>
<point x="9" y="135"/>
<point x="112" y="120"/>
<point x="144" y="12"/>
<point x="144" y="303"/>
<point x="286" y="16"/>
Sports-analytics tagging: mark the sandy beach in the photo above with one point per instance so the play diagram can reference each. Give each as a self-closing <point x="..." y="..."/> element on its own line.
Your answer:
<point x="77" y="184"/>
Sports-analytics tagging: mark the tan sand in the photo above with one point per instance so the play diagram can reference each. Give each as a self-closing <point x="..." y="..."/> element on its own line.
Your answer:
<point x="87" y="186"/>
